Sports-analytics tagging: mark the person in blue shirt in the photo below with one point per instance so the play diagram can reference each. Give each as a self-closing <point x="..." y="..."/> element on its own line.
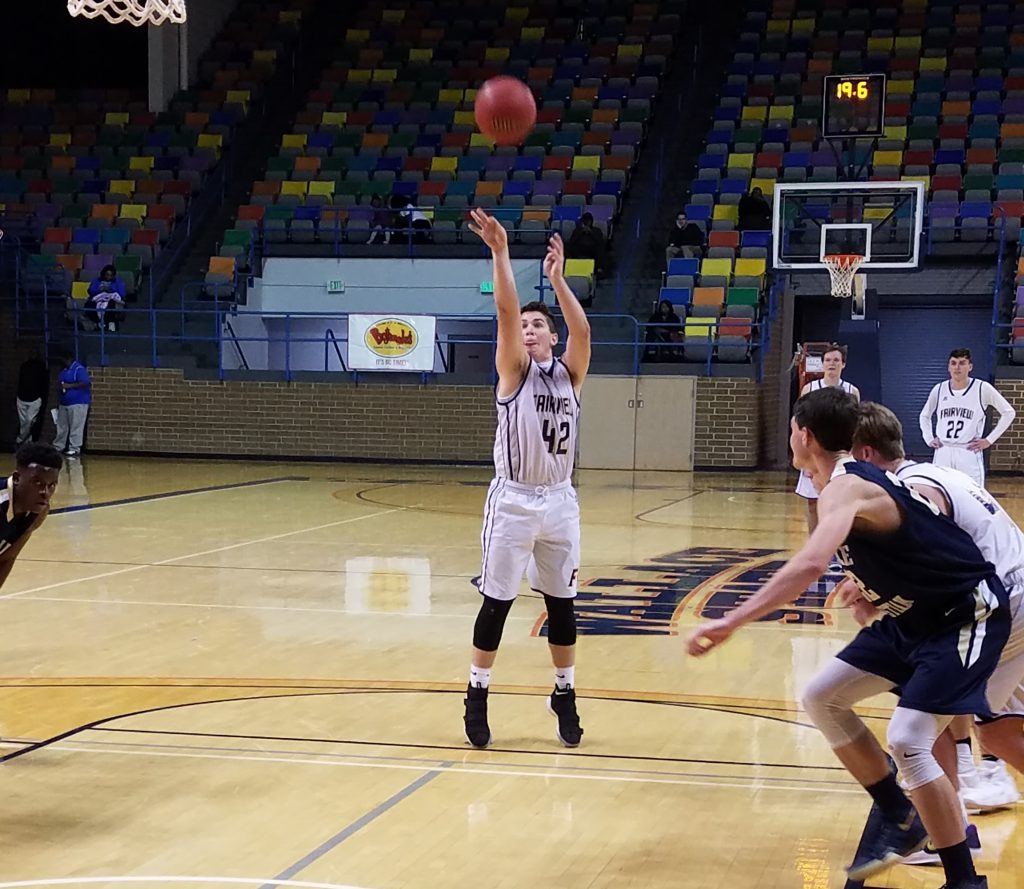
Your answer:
<point x="105" y="305"/>
<point x="75" y="398"/>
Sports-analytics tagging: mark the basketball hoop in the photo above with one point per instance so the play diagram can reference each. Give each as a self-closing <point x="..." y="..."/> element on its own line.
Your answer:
<point x="136" y="12"/>
<point x="842" y="267"/>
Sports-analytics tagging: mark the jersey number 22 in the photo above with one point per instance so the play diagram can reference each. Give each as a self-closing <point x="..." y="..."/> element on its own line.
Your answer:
<point x="954" y="428"/>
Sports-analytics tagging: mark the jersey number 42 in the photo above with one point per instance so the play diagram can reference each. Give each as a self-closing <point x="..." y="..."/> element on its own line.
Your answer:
<point x="557" y="436"/>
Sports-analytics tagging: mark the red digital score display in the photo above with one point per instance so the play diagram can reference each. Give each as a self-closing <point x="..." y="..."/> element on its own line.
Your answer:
<point x="854" y="106"/>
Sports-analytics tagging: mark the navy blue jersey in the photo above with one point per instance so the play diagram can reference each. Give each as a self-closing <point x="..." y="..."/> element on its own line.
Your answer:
<point x="928" y="564"/>
<point x="12" y="527"/>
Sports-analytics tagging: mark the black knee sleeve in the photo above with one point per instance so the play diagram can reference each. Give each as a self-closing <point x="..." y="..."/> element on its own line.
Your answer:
<point x="561" y="620"/>
<point x="490" y="622"/>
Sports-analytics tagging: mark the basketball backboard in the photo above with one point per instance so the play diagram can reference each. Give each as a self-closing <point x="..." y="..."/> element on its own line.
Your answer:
<point x="881" y="221"/>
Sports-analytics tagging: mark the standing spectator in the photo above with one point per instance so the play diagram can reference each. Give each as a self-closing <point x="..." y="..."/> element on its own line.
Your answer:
<point x="754" y="212"/>
<point x="33" y="386"/>
<point x="587" y="242"/>
<point x="105" y="304"/>
<point x="686" y="240"/>
<point x="75" y="398"/>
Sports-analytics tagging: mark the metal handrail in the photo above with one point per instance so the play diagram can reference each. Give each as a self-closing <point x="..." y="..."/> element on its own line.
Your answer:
<point x="329" y="337"/>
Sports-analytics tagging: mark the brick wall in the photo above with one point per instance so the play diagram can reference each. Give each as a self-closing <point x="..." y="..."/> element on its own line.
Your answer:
<point x="774" y="369"/>
<point x="158" y="411"/>
<point x="728" y="423"/>
<point x="147" y="410"/>
<point x="1007" y="454"/>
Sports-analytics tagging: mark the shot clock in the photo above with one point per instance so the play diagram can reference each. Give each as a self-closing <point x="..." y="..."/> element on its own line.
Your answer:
<point x="853" y="106"/>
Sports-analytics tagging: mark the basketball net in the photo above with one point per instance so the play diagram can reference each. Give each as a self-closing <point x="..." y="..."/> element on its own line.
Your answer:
<point x="842" y="267"/>
<point x="136" y="12"/>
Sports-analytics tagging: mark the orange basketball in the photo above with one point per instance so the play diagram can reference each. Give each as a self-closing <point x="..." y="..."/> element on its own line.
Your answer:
<point x="505" y="110"/>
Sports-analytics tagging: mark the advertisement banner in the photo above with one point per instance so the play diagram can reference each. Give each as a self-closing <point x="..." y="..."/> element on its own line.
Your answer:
<point x="391" y="342"/>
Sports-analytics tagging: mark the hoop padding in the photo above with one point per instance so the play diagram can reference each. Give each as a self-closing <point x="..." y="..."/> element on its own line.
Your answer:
<point x="136" y="12"/>
<point x="842" y="267"/>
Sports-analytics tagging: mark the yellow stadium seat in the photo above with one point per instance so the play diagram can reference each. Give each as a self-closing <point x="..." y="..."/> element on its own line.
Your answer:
<point x="496" y="54"/>
<point x="803" y="26"/>
<point x="700" y="328"/>
<point x="781" y="112"/>
<point x="18" y="96"/>
<point x="479" y="140"/>
<point x="418" y="54"/>
<point x="754" y="113"/>
<point x="239" y="97"/>
<point x="116" y="119"/>
<point x="360" y="75"/>
<point x="122" y="186"/>
<point x="80" y="290"/>
<point x="294" y="140"/>
<point x="392" y="16"/>
<point x="60" y="140"/>
<point x="743" y="161"/>
<point x="716" y="267"/>
<point x="450" y="96"/>
<point x="324" y="189"/>
<point x="210" y="140"/>
<point x="778" y="26"/>
<point x="357" y="35"/>
<point x="749" y="267"/>
<point x="143" y="163"/>
<point x="333" y="118"/>
<point x="446" y="164"/>
<point x="897" y="133"/>
<point x="465" y="117"/>
<point x="264" y="55"/>
<point x="532" y="35"/>
<point x="930" y="64"/>
<point x="298" y="189"/>
<point x="579" y="268"/>
<point x="903" y="87"/>
<point x="134" y="211"/>
<point x="767" y="186"/>
<point x="926" y="180"/>
<point x="725" y="212"/>
<point x="384" y="75"/>
<point x="887" y="158"/>
<point x="880" y="44"/>
<point x="907" y="43"/>
<point x="587" y="162"/>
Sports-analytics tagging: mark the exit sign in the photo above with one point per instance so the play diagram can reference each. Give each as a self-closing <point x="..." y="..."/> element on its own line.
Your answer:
<point x="335" y="286"/>
<point x="487" y="287"/>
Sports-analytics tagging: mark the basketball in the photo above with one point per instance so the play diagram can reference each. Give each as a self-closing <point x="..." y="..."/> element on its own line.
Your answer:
<point x="505" y="110"/>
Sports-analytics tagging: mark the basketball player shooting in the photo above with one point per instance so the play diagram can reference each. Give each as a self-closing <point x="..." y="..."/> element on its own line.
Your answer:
<point x="531" y="518"/>
<point x="25" y="499"/>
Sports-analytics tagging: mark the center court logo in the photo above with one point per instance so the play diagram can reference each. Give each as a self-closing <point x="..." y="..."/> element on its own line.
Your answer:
<point x="390" y="338"/>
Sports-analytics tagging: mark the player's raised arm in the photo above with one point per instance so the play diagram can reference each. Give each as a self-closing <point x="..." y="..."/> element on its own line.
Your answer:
<point x="511" y="358"/>
<point x="838" y="506"/>
<point x="577" y="346"/>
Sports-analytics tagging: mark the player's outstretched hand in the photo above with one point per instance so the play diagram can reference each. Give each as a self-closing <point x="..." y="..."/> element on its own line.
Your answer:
<point x="979" y="445"/>
<point x="491" y="232"/>
<point x="554" y="261"/>
<point x="708" y="636"/>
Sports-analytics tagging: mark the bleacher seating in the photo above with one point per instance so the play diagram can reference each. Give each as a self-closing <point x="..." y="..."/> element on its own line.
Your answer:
<point x="393" y="116"/>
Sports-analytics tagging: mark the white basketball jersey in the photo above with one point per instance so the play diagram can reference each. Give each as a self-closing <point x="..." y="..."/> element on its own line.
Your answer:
<point x="535" y="443"/>
<point x="820" y="383"/>
<point x="960" y="416"/>
<point x="976" y="512"/>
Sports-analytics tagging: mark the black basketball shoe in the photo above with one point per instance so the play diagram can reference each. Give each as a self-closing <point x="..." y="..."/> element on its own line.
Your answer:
<point x="562" y="704"/>
<point x="478" y="732"/>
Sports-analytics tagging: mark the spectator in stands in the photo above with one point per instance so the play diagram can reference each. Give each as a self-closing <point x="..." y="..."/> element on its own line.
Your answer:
<point x="75" y="398"/>
<point x="587" y="242"/>
<point x="412" y="218"/>
<point x="105" y="305"/>
<point x="381" y="222"/>
<point x="754" y="212"/>
<point x="686" y="240"/>
<point x="33" y="387"/>
<point x="665" y="328"/>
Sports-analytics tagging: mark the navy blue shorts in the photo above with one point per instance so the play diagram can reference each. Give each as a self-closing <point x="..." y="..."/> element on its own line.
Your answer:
<point x="942" y="670"/>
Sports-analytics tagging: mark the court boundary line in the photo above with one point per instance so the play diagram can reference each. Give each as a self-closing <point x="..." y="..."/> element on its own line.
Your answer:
<point x="236" y="881"/>
<point x="206" y="552"/>
<point x="354" y="827"/>
<point x="146" y="498"/>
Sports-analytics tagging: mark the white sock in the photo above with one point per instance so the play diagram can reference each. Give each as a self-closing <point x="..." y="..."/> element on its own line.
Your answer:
<point x="480" y="677"/>
<point x="964" y="755"/>
<point x="565" y="677"/>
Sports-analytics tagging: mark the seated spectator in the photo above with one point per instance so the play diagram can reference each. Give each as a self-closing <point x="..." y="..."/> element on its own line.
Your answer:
<point x="686" y="240"/>
<point x="381" y="222"/>
<point x="105" y="304"/>
<point x="410" y="217"/>
<point x="667" y="329"/>
<point x="754" y="212"/>
<point x="587" y="242"/>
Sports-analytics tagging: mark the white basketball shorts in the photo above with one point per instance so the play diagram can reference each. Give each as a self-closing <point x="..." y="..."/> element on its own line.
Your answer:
<point x="532" y="530"/>
<point x="1006" y="684"/>
<point x="970" y="463"/>
<point x="805" y="487"/>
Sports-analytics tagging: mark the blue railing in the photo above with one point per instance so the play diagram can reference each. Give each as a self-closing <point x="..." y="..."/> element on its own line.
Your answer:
<point x="632" y="346"/>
